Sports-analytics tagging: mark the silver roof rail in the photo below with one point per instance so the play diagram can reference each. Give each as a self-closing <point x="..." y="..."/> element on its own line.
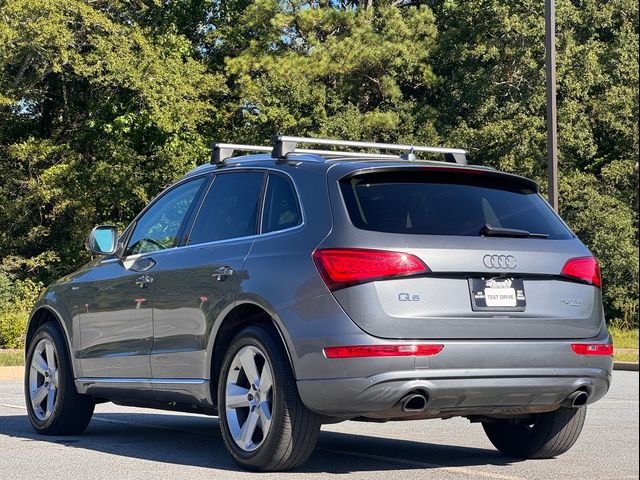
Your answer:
<point x="284" y="145"/>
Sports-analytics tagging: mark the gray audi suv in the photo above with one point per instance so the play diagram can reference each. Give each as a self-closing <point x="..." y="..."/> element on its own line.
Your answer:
<point x="294" y="287"/>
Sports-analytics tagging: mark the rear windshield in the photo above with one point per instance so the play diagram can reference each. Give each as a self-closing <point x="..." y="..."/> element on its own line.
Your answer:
<point x="432" y="202"/>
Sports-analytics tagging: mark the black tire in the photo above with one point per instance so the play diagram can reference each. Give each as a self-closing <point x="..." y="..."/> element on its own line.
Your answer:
<point x="293" y="430"/>
<point x="71" y="412"/>
<point x="550" y="435"/>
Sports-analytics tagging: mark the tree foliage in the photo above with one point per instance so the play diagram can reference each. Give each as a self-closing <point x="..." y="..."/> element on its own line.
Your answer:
<point x="102" y="102"/>
<point x="98" y="111"/>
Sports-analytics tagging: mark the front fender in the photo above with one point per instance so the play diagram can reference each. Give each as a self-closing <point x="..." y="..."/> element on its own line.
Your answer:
<point x="50" y="307"/>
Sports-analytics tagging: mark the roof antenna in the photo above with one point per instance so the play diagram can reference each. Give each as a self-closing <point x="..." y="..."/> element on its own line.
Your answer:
<point x="410" y="156"/>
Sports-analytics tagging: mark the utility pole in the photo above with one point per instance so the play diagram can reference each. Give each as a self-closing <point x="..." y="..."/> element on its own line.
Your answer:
<point x="552" y="133"/>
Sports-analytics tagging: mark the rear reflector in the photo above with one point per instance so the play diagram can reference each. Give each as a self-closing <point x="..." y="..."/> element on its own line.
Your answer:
<point x="592" y="348"/>
<point x="583" y="268"/>
<point x="343" y="267"/>
<point x="408" y="350"/>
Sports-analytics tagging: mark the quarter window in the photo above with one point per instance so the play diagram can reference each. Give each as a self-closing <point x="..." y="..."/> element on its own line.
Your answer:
<point x="230" y="209"/>
<point x="159" y="226"/>
<point x="281" y="208"/>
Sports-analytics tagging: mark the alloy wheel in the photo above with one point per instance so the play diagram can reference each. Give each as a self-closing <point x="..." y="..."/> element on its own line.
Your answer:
<point x="43" y="379"/>
<point x="248" y="398"/>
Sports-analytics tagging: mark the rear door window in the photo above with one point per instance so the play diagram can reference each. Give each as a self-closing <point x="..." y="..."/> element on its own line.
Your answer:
<point x="230" y="209"/>
<point x="432" y="202"/>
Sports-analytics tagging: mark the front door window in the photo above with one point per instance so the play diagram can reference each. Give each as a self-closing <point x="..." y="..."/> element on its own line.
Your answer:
<point x="160" y="225"/>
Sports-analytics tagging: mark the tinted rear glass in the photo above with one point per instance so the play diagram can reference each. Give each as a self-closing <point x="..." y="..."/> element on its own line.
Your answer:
<point x="447" y="203"/>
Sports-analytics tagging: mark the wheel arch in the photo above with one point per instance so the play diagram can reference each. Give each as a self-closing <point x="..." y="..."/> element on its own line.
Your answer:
<point x="42" y="315"/>
<point x="239" y="317"/>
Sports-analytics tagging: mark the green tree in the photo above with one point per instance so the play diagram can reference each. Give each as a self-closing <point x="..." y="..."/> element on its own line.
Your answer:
<point x="324" y="69"/>
<point x="99" y="107"/>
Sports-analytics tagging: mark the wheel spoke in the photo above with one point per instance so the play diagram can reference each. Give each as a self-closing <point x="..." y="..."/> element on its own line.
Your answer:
<point x="264" y="412"/>
<point x="38" y="363"/>
<point x="236" y="396"/>
<point x="266" y="379"/>
<point x="38" y="396"/>
<point x="51" y="400"/>
<point x="248" y="361"/>
<point x="51" y="356"/>
<point x="247" y="430"/>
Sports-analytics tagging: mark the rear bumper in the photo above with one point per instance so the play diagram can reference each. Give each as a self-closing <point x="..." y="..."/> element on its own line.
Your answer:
<point x="472" y="376"/>
<point x="454" y="392"/>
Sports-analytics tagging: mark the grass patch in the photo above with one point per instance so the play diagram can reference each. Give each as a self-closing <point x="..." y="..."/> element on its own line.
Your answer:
<point x="624" y="338"/>
<point x="11" y="358"/>
<point x="626" y="357"/>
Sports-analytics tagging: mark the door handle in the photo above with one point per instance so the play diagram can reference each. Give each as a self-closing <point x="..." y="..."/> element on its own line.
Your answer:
<point x="221" y="274"/>
<point x="144" y="280"/>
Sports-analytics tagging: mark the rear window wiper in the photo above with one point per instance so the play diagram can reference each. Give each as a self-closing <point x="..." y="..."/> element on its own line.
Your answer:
<point x="491" y="231"/>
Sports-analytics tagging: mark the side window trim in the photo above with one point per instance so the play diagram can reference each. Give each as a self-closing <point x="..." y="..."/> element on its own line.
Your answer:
<point x="263" y="201"/>
<point x="132" y="226"/>
<point x="263" y="194"/>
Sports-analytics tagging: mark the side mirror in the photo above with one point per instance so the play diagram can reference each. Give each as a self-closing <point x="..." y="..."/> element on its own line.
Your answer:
<point x="103" y="240"/>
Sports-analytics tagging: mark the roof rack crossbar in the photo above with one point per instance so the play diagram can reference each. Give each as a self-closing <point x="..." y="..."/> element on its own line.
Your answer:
<point x="223" y="151"/>
<point x="283" y="145"/>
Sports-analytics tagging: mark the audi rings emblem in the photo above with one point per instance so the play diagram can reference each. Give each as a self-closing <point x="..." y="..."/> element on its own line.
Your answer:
<point x="499" y="261"/>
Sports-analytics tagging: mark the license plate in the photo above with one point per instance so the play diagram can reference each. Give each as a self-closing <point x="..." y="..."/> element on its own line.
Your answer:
<point x="497" y="294"/>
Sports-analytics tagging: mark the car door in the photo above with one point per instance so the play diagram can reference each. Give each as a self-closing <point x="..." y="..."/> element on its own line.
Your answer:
<point x="198" y="282"/>
<point x="116" y="322"/>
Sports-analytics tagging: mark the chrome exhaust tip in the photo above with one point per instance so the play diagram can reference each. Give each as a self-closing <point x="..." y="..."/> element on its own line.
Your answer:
<point x="414" y="402"/>
<point x="576" y="400"/>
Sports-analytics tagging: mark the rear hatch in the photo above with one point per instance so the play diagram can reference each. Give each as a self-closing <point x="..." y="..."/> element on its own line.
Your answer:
<point x="471" y="254"/>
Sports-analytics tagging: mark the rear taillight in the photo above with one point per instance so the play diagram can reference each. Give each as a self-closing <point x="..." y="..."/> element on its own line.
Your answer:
<point x="406" y="350"/>
<point x="592" y="348"/>
<point x="583" y="268"/>
<point x="343" y="267"/>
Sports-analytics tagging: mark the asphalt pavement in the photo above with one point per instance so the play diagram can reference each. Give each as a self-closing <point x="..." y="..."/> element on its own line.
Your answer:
<point x="134" y="443"/>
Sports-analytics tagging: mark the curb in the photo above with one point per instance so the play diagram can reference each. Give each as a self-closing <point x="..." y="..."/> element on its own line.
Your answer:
<point x="628" y="366"/>
<point x="12" y="373"/>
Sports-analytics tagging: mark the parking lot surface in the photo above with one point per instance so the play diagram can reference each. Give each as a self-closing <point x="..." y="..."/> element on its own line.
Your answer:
<point x="134" y="443"/>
